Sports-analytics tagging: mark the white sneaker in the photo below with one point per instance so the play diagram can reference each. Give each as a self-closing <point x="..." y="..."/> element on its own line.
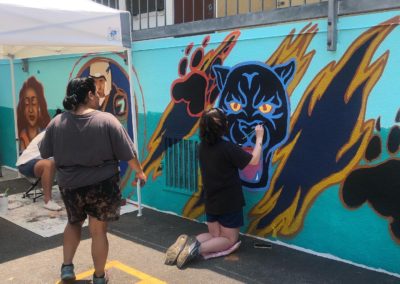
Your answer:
<point x="51" y="205"/>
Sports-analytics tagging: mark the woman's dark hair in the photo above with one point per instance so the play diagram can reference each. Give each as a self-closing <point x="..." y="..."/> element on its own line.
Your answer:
<point x="43" y="118"/>
<point x="77" y="92"/>
<point x="58" y="111"/>
<point x="213" y="125"/>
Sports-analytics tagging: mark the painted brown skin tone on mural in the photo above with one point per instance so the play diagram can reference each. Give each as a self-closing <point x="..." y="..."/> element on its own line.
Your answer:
<point x="100" y="86"/>
<point x="32" y="115"/>
<point x="31" y="111"/>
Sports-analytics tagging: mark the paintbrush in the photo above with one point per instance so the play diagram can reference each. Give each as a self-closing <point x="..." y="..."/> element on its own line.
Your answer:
<point x="254" y="130"/>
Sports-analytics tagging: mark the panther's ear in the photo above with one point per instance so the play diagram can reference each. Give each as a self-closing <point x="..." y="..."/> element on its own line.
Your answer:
<point x="220" y="72"/>
<point x="286" y="71"/>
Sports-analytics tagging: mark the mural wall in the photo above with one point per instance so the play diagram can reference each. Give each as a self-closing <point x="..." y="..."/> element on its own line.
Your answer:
<point x="328" y="180"/>
<point x="42" y="89"/>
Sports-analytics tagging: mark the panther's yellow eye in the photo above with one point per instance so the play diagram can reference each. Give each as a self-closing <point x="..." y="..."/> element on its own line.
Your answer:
<point x="265" y="108"/>
<point x="235" y="106"/>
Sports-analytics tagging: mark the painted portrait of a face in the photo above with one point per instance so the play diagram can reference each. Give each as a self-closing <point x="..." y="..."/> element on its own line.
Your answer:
<point x="32" y="115"/>
<point x="112" y="86"/>
<point x="31" y="107"/>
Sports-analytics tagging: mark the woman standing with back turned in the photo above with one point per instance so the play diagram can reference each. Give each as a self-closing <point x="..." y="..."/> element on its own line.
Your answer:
<point x="87" y="145"/>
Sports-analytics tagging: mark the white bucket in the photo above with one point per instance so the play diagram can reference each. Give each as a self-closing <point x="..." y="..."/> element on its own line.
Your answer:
<point x="3" y="204"/>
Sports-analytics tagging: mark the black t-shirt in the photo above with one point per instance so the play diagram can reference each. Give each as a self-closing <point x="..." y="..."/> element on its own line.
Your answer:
<point x="219" y="166"/>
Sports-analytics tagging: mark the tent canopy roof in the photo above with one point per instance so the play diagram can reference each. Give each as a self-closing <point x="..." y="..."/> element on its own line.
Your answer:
<point x="30" y="28"/>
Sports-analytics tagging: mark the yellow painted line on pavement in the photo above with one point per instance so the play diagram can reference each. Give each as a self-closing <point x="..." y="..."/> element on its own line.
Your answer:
<point x="138" y="274"/>
<point x="144" y="278"/>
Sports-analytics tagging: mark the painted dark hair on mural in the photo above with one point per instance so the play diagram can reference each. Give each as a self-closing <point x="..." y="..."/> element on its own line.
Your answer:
<point x="43" y="116"/>
<point x="77" y="92"/>
<point x="213" y="125"/>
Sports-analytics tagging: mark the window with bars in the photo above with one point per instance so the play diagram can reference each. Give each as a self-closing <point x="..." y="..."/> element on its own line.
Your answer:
<point x="148" y="14"/>
<point x="191" y="10"/>
<point x="144" y="6"/>
<point x="181" y="165"/>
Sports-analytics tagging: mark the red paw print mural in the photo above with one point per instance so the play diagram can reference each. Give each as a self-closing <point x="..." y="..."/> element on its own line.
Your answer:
<point x="194" y="91"/>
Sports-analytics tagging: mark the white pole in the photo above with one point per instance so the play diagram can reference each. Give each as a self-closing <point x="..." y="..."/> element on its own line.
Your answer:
<point x="134" y="124"/>
<point x="11" y="58"/>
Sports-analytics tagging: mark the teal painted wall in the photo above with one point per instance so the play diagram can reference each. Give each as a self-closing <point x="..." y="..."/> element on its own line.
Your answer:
<point x="325" y="223"/>
<point x="7" y="128"/>
<point x="328" y="224"/>
<point x="7" y="134"/>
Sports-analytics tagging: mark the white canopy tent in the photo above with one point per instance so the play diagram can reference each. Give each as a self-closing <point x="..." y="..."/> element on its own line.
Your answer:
<point x="32" y="28"/>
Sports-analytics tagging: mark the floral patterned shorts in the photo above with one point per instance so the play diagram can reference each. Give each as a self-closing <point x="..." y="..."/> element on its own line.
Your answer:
<point x="100" y="200"/>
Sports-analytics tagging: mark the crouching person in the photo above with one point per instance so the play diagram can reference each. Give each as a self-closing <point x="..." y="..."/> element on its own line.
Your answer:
<point x="220" y="162"/>
<point x="31" y="164"/>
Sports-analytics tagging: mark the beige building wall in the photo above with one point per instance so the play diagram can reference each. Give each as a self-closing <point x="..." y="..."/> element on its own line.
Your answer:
<point x="244" y="6"/>
<point x="233" y="7"/>
<point x="288" y="3"/>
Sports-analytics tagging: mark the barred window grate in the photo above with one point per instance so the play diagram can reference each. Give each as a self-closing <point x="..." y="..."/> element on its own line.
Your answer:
<point x="181" y="165"/>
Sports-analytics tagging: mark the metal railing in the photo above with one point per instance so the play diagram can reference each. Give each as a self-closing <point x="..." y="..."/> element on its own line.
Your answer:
<point x="170" y="18"/>
<point x="181" y="163"/>
<point x="160" y="13"/>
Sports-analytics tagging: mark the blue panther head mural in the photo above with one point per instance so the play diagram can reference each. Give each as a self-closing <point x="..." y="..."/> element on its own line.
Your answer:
<point x="254" y="93"/>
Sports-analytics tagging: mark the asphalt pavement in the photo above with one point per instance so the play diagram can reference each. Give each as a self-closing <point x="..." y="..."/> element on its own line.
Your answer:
<point x="137" y="247"/>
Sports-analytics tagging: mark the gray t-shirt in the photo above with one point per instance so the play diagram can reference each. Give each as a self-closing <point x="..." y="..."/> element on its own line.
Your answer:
<point x="86" y="148"/>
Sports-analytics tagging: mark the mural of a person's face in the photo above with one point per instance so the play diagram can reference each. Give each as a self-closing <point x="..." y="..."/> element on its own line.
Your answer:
<point x="112" y="92"/>
<point x="100" y="86"/>
<point x="100" y="71"/>
<point x="94" y="100"/>
<point x="31" y="107"/>
<point x="32" y="115"/>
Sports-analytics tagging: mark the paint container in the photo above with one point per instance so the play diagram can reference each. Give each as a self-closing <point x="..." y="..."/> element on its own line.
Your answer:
<point x="3" y="203"/>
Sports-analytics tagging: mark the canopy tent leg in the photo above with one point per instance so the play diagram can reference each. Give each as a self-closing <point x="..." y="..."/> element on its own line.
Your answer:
<point x="14" y="96"/>
<point x="134" y="126"/>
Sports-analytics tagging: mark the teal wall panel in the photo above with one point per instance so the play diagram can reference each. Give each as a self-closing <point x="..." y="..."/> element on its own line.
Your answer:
<point x="333" y="214"/>
<point x="7" y="133"/>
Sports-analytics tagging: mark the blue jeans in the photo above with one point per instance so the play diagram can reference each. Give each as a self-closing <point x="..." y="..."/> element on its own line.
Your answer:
<point x="27" y="169"/>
